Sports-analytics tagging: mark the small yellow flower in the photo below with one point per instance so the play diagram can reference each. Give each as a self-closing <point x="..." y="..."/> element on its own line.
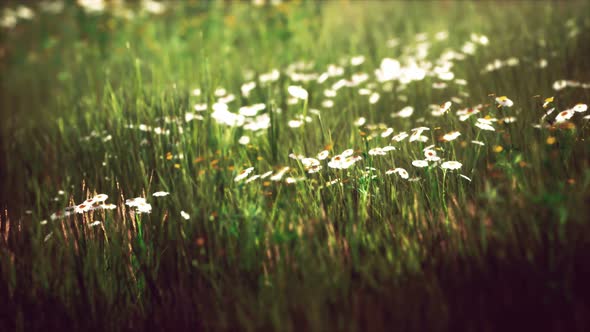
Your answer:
<point x="498" y="148"/>
<point x="550" y="140"/>
<point x="168" y="155"/>
<point x="548" y="101"/>
<point x="177" y="166"/>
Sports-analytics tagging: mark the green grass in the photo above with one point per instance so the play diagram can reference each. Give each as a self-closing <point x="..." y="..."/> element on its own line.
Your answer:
<point x="506" y="250"/>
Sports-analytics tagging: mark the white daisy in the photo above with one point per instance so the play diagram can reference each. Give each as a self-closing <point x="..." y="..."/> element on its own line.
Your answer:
<point x="374" y="98"/>
<point x="451" y="136"/>
<point x="451" y="165"/>
<point x="387" y="132"/>
<point x="503" y="101"/>
<point x="244" y="140"/>
<point x="400" y="137"/>
<point x="94" y="224"/>
<point x="100" y="198"/>
<point x="144" y="208"/>
<point x="430" y="155"/>
<point x="323" y="154"/>
<point x="484" y="125"/>
<point x="580" y="108"/>
<point x="243" y="174"/>
<point x="420" y="163"/>
<point x="185" y="215"/>
<point x="298" y="92"/>
<point x="564" y="115"/>
<point x="135" y="202"/>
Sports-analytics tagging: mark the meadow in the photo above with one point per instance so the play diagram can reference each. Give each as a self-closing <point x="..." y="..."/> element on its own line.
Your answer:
<point x="294" y="166"/>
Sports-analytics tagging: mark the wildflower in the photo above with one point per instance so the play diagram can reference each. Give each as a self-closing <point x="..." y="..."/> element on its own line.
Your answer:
<point x="296" y="156"/>
<point x="420" y="163"/>
<point x="498" y="148"/>
<point x="298" y="92"/>
<point x="243" y="174"/>
<point x="508" y="119"/>
<point x="405" y="112"/>
<point x="451" y="136"/>
<point x="279" y="175"/>
<point x="135" y="202"/>
<point x="200" y="107"/>
<point x="108" y="206"/>
<point x="329" y="93"/>
<point x="548" y="101"/>
<point x="94" y="224"/>
<point x="251" y="110"/>
<point x="550" y="140"/>
<point x="100" y="198"/>
<point x="310" y="162"/>
<point x="364" y="92"/>
<point x="400" y="137"/>
<point x="377" y="152"/>
<point x="160" y="194"/>
<point x="185" y="215"/>
<point x="81" y="208"/>
<point x="399" y="171"/>
<point x="503" y="101"/>
<point x="265" y="175"/>
<point x="328" y="103"/>
<point x="387" y="132"/>
<point x="227" y="99"/>
<point x="343" y="162"/>
<point x="347" y="153"/>
<point x="246" y="88"/>
<point x="466" y="113"/>
<point x="323" y="154"/>
<point x="357" y="60"/>
<point x="564" y="116"/>
<point x="295" y="123"/>
<point x="144" y="208"/>
<point x="451" y="165"/>
<point x="388" y="148"/>
<point x="244" y="140"/>
<point x="271" y="76"/>
<point x="188" y="116"/>
<point x="417" y="134"/>
<point x="446" y="107"/>
<point x="559" y="85"/>
<point x="220" y="92"/>
<point x="374" y="98"/>
<point x="580" y="108"/>
<point x="484" y="124"/>
<point x="431" y="155"/>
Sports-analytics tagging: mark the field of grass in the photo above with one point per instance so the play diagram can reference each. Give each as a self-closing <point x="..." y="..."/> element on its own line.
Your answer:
<point x="297" y="166"/>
